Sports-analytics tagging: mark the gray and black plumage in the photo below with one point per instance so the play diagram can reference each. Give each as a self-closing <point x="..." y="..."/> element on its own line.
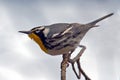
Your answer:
<point x="61" y="38"/>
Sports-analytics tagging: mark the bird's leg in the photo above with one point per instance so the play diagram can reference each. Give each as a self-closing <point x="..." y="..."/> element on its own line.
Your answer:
<point x="76" y="59"/>
<point x="72" y="63"/>
<point x="79" y="54"/>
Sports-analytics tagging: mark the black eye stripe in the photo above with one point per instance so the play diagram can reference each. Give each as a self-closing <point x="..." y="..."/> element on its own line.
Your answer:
<point x="43" y="29"/>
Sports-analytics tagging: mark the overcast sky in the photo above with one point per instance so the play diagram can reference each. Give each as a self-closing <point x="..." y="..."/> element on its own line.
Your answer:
<point x="22" y="59"/>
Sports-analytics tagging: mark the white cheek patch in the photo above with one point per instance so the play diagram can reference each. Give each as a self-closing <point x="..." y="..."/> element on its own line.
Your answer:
<point x="46" y="31"/>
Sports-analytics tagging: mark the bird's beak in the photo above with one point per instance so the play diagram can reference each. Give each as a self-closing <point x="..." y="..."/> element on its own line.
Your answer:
<point x="26" y="32"/>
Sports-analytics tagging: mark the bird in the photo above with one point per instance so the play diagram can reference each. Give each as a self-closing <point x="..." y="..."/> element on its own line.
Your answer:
<point x="61" y="38"/>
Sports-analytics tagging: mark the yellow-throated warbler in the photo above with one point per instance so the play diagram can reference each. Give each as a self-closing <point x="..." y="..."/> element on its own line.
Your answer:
<point x="62" y="38"/>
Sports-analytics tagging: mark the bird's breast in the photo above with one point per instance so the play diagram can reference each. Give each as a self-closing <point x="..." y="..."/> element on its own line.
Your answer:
<point x="38" y="41"/>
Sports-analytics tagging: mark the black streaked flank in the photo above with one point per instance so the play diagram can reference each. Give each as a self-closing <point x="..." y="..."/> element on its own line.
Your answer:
<point x="48" y="44"/>
<point x="43" y="38"/>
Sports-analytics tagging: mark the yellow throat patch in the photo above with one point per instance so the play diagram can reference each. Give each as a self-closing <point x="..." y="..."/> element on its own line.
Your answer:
<point x="38" y="41"/>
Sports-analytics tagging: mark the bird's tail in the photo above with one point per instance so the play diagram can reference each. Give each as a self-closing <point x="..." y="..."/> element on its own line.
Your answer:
<point x="100" y="19"/>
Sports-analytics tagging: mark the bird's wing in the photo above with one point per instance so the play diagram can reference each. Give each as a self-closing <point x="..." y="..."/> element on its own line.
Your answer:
<point x="61" y="37"/>
<point x="57" y="28"/>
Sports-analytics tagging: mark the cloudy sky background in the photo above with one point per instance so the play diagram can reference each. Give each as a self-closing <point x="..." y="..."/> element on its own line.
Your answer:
<point x="22" y="59"/>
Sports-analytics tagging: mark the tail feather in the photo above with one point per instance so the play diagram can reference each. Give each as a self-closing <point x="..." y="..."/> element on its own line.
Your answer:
<point x="100" y="19"/>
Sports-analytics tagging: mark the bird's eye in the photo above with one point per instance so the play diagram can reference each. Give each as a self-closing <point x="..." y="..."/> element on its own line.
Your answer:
<point x="37" y="31"/>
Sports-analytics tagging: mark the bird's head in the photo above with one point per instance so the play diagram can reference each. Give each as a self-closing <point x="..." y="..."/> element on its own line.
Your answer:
<point x="37" y="34"/>
<point x="36" y="30"/>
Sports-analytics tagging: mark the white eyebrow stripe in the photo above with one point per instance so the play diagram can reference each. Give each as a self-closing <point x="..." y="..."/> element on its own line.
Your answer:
<point x="66" y="30"/>
<point x="40" y="28"/>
